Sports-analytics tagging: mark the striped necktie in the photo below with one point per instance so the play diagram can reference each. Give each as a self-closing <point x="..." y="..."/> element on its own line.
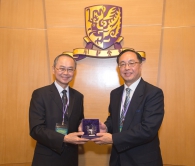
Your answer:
<point x="124" y="110"/>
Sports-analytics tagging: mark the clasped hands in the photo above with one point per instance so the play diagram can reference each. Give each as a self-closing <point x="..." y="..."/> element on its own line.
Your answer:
<point x="104" y="137"/>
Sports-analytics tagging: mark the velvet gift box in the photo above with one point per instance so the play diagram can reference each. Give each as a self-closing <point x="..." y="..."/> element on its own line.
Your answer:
<point x="90" y="127"/>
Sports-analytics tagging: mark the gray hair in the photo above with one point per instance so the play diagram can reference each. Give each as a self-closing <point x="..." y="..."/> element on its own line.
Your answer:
<point x="65" y="55"/>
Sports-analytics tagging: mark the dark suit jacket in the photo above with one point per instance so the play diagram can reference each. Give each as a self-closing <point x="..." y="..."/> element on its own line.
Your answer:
<point x="45" y="111"/>
<point x="138" y="143"/>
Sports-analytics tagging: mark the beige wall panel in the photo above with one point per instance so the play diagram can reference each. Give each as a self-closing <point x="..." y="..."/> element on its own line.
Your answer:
<point x="64" y="13"/>
<point x="179" y="13"/>
<point x="140" y="12"/>
<point x="95" y="78"/>
<point x="145" y="39"/>
<point x="64" y="39"/>
<point x="140" y="38"/>
<point x="94" y="155"/>
<point x="23" y="164"/>
<point x="23" y="68"/>
<point x="176" y="78"/>
<point x="22" y="14"/>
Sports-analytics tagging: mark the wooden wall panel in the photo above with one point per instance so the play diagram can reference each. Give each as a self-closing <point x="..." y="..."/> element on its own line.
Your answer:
<point x="23" y="68"/>
<point x="22" y="14"/>
<point x="64" y="39"/>
<point x="176" y="78"/>
<point x="139" y="12"/>
<point x="93" y="154"/>
<point x="145" y="38"/>
<point x="17" y="164"/>
<point x="140" y="38"/>
<point x="63" y="13"/>
<point x="102" y="77"/>
<point x="179" y="13"/>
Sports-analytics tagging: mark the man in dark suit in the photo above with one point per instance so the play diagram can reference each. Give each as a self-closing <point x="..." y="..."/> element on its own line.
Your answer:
<point x="54" y="124"/>
<point x="136" y="113"/>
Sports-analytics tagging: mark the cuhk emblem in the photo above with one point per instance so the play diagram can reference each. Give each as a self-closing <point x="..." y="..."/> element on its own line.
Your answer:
<point x="103" y="24"/>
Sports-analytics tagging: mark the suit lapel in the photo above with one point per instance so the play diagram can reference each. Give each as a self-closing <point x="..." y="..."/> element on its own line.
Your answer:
<point x="134" y="104"/>
<point x="56" y="96"/>
<point x="71" y="101"/>
<point x="117" y="101"/>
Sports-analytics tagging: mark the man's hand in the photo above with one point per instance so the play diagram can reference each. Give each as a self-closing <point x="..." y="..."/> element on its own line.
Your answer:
<point x="80" y="127"/>
<point x="74" y="138"/>
<point x="103" y="128"/>
<point x="105" y="138"/>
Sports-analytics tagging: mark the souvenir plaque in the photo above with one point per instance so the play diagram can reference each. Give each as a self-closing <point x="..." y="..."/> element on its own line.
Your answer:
<point x="90" y="128"/>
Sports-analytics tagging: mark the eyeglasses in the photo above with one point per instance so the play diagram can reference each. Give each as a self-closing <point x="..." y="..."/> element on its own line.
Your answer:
<point x="129" y="64"/>
<point x="62" y="70"/>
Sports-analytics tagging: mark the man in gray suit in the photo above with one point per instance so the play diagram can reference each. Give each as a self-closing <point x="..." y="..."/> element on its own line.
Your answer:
<point x="54" y="121"/>
<point x="136" y="112"/>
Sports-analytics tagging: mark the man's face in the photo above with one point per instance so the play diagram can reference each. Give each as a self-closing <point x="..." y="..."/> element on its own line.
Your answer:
<point x="129" y="70"/>
<point x="64" y="71"/>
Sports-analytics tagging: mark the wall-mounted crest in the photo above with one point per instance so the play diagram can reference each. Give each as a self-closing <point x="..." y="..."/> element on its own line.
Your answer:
<point x="103" y="25"/>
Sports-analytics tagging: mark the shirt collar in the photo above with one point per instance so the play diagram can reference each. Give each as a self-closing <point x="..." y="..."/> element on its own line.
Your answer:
<point x="134" y="85"/>
<point x="60" y="89"/>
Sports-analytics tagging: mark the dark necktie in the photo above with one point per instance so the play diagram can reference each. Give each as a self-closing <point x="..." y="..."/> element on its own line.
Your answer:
<point x="64" y="102"/>
<point x="124" y="110"/>
<point x="64" y="98"/>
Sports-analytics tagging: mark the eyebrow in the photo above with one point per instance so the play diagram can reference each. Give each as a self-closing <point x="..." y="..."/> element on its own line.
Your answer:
<point x="129" y="60"/>
<point x="66" y="66"/>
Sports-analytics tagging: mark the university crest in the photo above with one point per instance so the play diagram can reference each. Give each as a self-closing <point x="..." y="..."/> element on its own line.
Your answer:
<point x="103" y="26"/>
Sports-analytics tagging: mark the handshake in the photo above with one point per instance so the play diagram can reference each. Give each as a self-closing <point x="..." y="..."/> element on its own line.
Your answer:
<point x="90" y="130"/>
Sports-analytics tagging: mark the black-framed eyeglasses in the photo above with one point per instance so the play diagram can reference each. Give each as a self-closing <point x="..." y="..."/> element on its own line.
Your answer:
<point x="62" y="70"/>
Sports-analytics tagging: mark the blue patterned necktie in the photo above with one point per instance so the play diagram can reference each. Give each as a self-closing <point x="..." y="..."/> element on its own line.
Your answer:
<point x="124" y="110"/>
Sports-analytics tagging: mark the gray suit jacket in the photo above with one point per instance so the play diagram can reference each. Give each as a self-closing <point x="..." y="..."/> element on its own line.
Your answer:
<point x="45" y="111"/>
<point x="138" y="143"/>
